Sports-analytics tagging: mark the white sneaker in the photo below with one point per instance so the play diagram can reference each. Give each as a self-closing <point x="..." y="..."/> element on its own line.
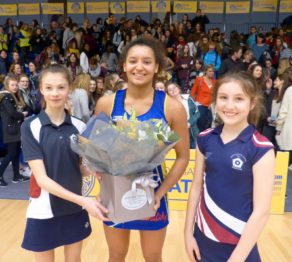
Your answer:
<point x="26" y="171"/>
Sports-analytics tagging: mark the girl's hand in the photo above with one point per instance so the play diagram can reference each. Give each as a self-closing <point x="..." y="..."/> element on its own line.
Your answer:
<point x="95" y="208"/>
<point x="192" y="248"/>
<point x="157" y="199"/>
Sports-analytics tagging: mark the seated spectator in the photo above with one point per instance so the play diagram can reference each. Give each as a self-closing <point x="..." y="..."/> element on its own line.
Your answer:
<point x="24" y="89"/>
<point x="16" y="69"/>
<point x="37" y="42"/>
<point x="259" y="48"/>
<point x="110" y="59"/>
<point x="182" y="67"/>
<point x="159" y="85"/>
<point x="247" y="59"/>
<point x="3" y="66"/>
<point x="110" y="83"/>
<point x="73" y="66"/>
<point x="270" y="68"/>
<point x="84" y="58"/>
<point x="276" y="50"/>
<point x="197" y="70"/>
<point x="232" y="63"/>
<point x="79" y="97"/>
<point x="287" y="52"/>
<point x="3" y="39"/>
<point x="99" y="87"/>
<point x="212" y="57"/>
<point x="95" y="68"/>
<point x="71" y="47"/>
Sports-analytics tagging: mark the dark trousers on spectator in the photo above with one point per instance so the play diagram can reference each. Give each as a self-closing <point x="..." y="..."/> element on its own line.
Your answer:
<point x="13" y="150"/>
<point x="205" y="119"/>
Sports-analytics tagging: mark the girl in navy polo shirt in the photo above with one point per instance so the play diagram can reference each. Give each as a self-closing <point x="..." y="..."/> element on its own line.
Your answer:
<point x="231" y="194"/>
<point x="55" y="216"/>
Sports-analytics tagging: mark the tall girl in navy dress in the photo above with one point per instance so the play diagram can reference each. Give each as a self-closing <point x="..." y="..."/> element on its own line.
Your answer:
<point x="230" y="198"/>
<point x="141" y="61"/>
<point x="55" y="216"/>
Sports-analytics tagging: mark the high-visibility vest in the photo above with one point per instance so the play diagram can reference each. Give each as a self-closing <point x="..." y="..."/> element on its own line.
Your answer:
<point x="25" y="40"/>
<point x="3" y="46"/>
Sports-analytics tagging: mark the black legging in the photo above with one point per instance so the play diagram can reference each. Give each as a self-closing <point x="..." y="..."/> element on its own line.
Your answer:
<point x="13" y="150"/>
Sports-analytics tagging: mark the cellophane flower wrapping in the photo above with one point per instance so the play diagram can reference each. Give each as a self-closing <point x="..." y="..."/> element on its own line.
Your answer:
<point x="124" y="147"/>
<point x="125" y="151"/>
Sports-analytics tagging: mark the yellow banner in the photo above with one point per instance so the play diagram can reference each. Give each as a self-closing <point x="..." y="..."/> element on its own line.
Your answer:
<point x="53" y="8"/>
<point x="286" y="6"/>
<point x="97" y="8"/>
<point x="179" y="193"/>
<point x="280" y="183"/>
<point x="212" y="7"/>
<point x="117" y="7"/>
<point x="237" y="7"/>
<point x="29" y="9"/>
<point x="75" y="7"/>
<point x="185" y="6"/>
<point x="264" y="6"/>
<point x="138" y="6"/>
<point x="160" y="6"/>
<point x="8" y="10"/>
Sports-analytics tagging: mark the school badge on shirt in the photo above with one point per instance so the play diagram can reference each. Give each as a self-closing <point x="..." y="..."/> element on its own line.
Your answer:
<point x="237" y="161"/>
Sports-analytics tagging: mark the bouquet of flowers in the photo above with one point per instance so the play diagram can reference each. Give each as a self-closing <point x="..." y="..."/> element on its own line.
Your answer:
<point x="125" y="151"/>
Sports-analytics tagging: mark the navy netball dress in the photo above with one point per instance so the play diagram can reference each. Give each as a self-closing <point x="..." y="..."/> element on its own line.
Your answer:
<point x="160" y="220"/>
<point x="226" y="201"/>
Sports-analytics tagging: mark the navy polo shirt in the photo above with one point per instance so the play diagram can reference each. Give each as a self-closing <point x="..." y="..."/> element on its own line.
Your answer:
<point x="41" y="139"/>
<point x="227" y="197"/>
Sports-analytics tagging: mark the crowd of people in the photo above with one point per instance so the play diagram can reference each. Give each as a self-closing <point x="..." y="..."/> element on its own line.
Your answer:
<point x="213" y="80"/>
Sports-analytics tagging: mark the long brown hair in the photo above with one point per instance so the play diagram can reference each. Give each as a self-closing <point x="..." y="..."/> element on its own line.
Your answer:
<point x="287" y="78"/>
<point x="249" y="87"/>
<point x="16" y="96"/>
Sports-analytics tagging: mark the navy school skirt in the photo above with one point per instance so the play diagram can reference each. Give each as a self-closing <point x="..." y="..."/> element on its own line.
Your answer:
<point x="46" y="234"/>
<point x="212" y="251"/>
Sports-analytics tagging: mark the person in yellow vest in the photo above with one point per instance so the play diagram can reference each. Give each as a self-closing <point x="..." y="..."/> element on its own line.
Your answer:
<point x="24" y="37"/>
<point x="3" y="39"/>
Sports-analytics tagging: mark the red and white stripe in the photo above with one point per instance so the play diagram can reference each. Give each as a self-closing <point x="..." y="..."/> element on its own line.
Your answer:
<point x="260" y="141"/>
<point x="210" y="226"/>
<point x="205" y="132"/>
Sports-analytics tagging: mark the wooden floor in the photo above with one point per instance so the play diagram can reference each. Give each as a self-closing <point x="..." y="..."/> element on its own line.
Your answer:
<point x="275" y="243"/>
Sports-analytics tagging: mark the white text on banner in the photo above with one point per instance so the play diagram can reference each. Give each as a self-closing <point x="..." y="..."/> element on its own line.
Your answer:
<point x="29" y="9"/>
<point x="97" y="8"/>
<point x="212" y="7"/>
<point x="8" y="10"/>
<point x="286" y="6"/>
<point x="264" y="6"/>
<point x="237" y="7"/>
<point x="138" y="6"/>
<point x="53" y="9"/>
<point x="185" y="6"/>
